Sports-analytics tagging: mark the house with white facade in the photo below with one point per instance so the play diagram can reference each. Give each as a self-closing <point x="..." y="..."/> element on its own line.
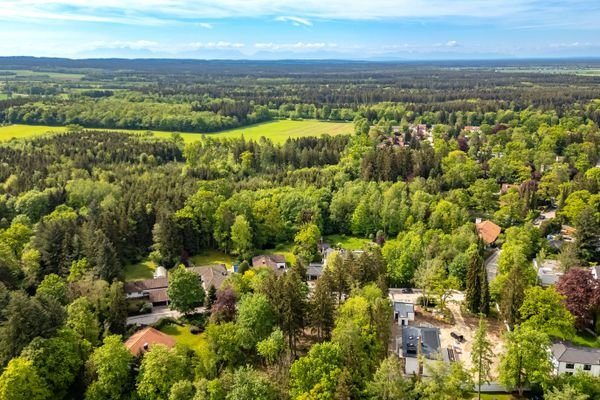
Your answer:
<point x="403" y="312"/>
<point x="548" y="272"/>
<point x="419" y="346"/>
<point x="568" y="359"/>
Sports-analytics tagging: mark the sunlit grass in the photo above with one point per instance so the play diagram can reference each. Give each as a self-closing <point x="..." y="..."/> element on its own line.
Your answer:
<point x="277" y="131"/>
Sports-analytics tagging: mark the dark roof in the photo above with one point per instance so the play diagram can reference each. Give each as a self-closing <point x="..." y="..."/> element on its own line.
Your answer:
<point x="403" y="309"/>
<point x="314" y="269"/>
<point x="147" y="284"/>
<point x="566" y="352"/>
<point x="212" y="275"/>
<point x="429" y="337"/>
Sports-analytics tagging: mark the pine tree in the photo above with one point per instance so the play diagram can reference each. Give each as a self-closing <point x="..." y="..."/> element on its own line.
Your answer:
<point x="291" y="306"/>
<point x="322" y="307"/>
<point x="481" y="355"/>
<point x="477" y="289"/>
<point x="588" y="235"/>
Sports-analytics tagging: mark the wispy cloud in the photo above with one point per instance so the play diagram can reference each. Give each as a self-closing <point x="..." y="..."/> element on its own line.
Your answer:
<point x="205" y="25"/>
<point x="299" y="12"/>
<point x="160" y="47"/>
<point x="298" y="46"/>
<point x="296" y="21"/>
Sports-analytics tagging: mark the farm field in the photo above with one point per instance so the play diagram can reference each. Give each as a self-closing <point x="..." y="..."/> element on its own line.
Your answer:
<point x="25" y="131"/>
<point x="277" y="131"/>
<point x="37" y="75"/>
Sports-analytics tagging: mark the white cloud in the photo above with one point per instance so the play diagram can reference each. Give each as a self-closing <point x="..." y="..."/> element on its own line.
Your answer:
<point x="205" y="25"/>
<point x="167" y="48"/>
<point x="152" y="11"/>
<point x="452" y="43"/>
<point x="298" y="46"/>
<point x="296" y="21"/>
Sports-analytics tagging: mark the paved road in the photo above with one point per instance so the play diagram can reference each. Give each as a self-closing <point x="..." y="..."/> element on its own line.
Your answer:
<point x="491" y="265"/>
<point x="149" y="319"/>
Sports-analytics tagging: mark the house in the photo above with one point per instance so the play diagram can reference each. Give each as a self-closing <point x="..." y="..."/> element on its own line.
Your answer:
<point x="403" y="312"/>
<point x="211" y="275"/>
<point x="160" y="272"/>
<point x="154" y="290"/>
<point x="568" y="358"/>
<point x="143" y="340"/>
<point x="420" y="341"/>
<point x="488" y="231"/>
<point x="548" y="272"/>
<point x="276" y="262"/>
<point x="314" y="271"/>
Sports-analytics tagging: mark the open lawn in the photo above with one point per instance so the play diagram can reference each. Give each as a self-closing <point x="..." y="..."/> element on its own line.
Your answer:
<point x="277" y="131"/>
<point x="142" y="270"/>
<point x="182" y="335"/>
<point x="495" y="396"/>
<point x="280" y="131"/>
<point x="213" y="257"/>
<point x="579" y="339"/>
<point x="346" y="242"/>
<point x="285" y="249"/>
<point x="25" y="131"/>
<point x="23" y="74"/>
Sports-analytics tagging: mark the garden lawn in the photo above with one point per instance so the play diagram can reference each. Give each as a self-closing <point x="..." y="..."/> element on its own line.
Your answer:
<point x="213" y="257"/>
<point x="140" y="271"/>
<point x="495" y="396"/>
<point x="286" y="250"/>
<point x="277" y="131"/>
<point x="182" y="335"/>
<point x="346" y="242"/>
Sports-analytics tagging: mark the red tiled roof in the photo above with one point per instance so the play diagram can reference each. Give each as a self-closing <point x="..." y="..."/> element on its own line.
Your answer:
<point x="148" y="337"/>
<point x="488" y="231"/>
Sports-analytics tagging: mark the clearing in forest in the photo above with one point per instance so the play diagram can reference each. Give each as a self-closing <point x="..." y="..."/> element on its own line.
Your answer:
<point x="278" y="131"/>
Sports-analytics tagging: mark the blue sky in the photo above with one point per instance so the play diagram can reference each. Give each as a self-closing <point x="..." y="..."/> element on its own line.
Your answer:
<point x="262" y="29"/>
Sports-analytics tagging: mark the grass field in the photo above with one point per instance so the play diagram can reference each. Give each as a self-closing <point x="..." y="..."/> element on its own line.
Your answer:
<point x="346" y="242"/>
<point x="285" y="249"/>
<point x="277" y="131"/>
<point x="25" y="131"/>
<point x="213" y="257"/>
<point x="24" y="73"/>
<point x="495" y="396"/>
<point x="182" y="335"/>
<point x="142" y="270"/>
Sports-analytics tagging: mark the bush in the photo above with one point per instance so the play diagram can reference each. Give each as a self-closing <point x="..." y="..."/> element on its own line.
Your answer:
<point x="197" y="320"/>
<point x="161" y="323"/>
<point x="138" y="307"/>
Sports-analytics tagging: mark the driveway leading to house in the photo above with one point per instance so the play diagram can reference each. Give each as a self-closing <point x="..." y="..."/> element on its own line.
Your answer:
<point x="491" y="265"/>
<point x="156" y="314"/>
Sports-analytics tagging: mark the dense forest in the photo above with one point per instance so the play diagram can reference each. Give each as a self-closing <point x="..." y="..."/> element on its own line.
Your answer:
<point x="79" y="208"/>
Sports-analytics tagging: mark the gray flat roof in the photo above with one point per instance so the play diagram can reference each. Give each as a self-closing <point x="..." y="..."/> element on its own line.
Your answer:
<point x="429" y="338"/>
<point x="566" y="352"/>
<point x="403" y="308"/>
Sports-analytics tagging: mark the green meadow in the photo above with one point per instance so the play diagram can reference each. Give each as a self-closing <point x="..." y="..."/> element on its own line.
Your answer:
<point x="278" y="131"/>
